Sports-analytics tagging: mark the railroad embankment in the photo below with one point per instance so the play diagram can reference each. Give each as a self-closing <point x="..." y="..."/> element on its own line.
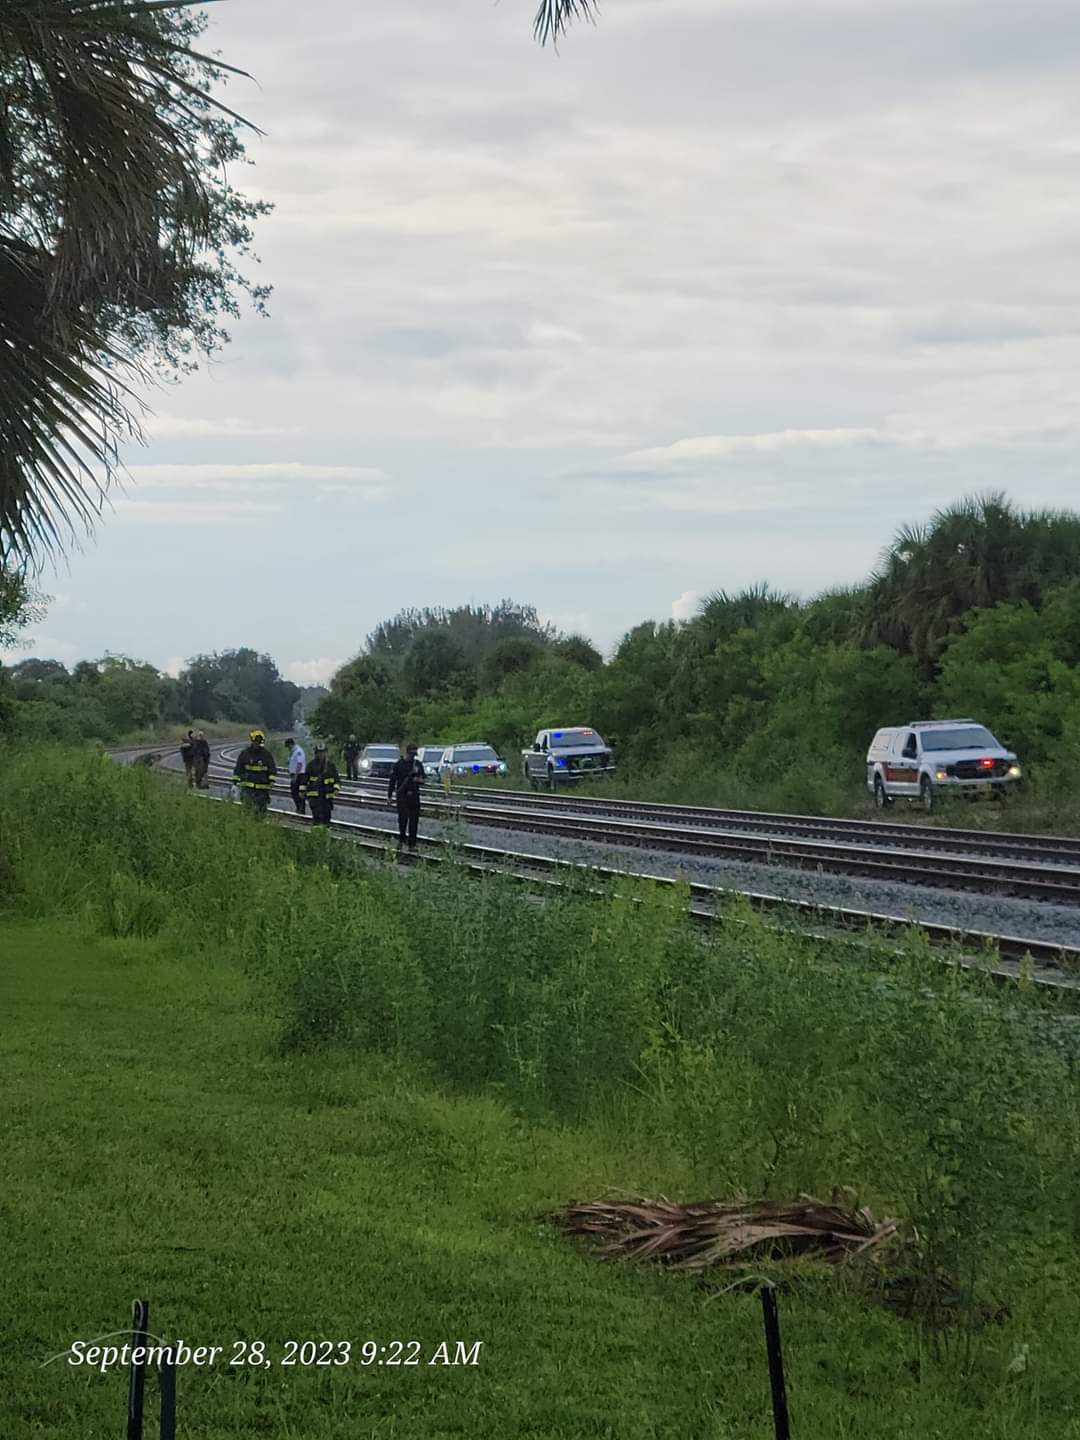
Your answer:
<point x="230" y="1046"/>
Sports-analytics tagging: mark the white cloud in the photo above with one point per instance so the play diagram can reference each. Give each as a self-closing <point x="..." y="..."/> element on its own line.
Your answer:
<point x="685" y="606"/>
<point x="43" y="647"/>
<point x="719" y="447"/>
<point x="191" y="512"/>
<point x="164" y="426"/>
<point x="369" y="480"/>
<point x="571" y="622"/>
<point x="311" y="672"/>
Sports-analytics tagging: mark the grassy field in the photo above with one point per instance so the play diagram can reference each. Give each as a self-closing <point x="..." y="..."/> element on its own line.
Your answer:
<point x="157" y="1146"/>
<point x="287" y="1097"/>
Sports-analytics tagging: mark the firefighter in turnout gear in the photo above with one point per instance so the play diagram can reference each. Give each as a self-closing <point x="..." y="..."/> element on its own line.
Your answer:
<point x="254" y="773"/>
<point x="322" y="783"/>
<point x="405" y="780"/>
<point x="351" y="752"/>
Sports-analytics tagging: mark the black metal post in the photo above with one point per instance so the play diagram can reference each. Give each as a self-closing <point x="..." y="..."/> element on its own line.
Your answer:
<point x="776" y="1363"/>
<point x="140" y="1320"/>
<point x="167" y="1384"/>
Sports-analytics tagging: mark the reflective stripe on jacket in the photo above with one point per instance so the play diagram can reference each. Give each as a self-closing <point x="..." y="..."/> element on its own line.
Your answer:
<point x="322" y="780"/>
<point x="255" y="769"/>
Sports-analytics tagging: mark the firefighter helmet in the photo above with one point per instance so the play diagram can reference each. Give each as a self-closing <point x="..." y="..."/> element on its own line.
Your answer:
<point x="256" y="737"/>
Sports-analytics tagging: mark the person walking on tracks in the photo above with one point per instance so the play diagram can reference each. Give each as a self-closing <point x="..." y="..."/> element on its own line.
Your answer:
<point x="254" y="773"/>
<point x="187" y="755"/>
<point x="351" y="752"/>
<point x="405" y="780"/>
<point x="322" y="783"/>
<point x="201" y="764"/>
<point x="297" y="767"/>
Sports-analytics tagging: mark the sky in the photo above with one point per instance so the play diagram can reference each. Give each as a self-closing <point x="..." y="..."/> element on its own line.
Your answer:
<point x="723" y="291"/>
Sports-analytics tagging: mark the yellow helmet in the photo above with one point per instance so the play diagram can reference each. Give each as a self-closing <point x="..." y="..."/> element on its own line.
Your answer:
<point x="256" y="737"/>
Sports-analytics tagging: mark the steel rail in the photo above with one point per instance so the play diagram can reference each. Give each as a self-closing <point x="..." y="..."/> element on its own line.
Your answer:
<point x="980" y="876"/>
<point x="1064" y="849"/>
<point x="1053" y="965"/>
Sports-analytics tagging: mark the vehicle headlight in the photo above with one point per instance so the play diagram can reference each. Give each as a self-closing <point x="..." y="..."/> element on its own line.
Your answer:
<point x="365" y="764"/>
<point x="461" y="769"/>
<point x="502" y="768"/>
<point x="1015" y="771"/>
<point x="941" y="774"/>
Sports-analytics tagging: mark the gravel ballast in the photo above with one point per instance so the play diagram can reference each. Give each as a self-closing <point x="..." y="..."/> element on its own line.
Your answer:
<point x="1002" y="915"/>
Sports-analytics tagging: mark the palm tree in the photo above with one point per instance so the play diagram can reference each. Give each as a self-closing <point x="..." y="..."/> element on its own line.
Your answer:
<point x="117" y="225"/>
<point x="722" y="613"/>
<point x="973" y="554"/>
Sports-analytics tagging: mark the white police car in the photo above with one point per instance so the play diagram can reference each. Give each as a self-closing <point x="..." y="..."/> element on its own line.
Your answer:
<point x="473" y="758"/>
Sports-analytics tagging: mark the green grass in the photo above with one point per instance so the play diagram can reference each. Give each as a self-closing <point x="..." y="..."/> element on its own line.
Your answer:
<point x="158" y="1145"/>
<point x="287" y="1094"/>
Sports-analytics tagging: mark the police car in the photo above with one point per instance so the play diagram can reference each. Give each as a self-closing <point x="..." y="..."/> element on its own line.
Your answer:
<point x="928" y="759"/>
<point x="471" y="758"/>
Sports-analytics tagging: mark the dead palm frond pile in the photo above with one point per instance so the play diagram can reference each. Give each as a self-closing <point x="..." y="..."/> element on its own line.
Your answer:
<point x="694" y="1237"/>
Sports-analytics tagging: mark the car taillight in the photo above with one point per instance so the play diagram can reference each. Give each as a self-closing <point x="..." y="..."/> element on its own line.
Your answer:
<point x="986" y="764"/>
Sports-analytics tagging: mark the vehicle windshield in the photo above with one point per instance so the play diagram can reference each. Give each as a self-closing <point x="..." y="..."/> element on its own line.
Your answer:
<point x="970" y="737"/>
<point x="567" y="739"/>
<point x="382" y="752"/>
<point x="470" y="753"/>
<point x="431" y="753"/>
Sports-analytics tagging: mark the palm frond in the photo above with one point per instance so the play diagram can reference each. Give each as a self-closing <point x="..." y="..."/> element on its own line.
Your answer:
<point x="111" y="147"/>
<point x="554" y="17"/>
<point x="63" y="410"/>
<point x="694" y="1237"/>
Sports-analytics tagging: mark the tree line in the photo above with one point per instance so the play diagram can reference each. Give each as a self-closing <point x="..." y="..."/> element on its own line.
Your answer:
<point x="975" y="613"/>
<point x="117" y="696"/>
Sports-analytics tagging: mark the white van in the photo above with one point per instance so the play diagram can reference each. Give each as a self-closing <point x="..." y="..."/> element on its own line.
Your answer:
<point x="927" y="759"/>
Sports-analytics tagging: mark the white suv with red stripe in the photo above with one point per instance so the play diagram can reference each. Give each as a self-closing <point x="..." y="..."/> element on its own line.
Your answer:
<point x="927" y="759"/>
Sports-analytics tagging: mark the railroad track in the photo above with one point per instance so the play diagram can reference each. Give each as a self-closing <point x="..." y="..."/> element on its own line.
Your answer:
<point x="1052" y="966"/>
<point x="978" y="874"/>
<point x="1061" y="850"/>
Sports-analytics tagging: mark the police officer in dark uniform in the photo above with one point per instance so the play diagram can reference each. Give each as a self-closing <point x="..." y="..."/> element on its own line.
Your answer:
<point x="202" y="760"/>
<point x="187" y="755"/>
<point x="351" y="752"/>
<point x="405" y="780"/>
<point x="254" y="773"/>
<point x="322" y="783"/>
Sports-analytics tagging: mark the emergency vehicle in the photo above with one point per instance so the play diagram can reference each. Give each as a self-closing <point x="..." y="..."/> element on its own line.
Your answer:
<point x="928" y="759"/>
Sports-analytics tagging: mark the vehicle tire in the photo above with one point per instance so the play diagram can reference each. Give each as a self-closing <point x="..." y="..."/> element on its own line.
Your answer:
<point x="926" y="794"/>
<point x="881" y="800"/>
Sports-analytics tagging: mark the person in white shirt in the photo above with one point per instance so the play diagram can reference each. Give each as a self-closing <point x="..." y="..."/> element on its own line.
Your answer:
<point x="297" y="768"/>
